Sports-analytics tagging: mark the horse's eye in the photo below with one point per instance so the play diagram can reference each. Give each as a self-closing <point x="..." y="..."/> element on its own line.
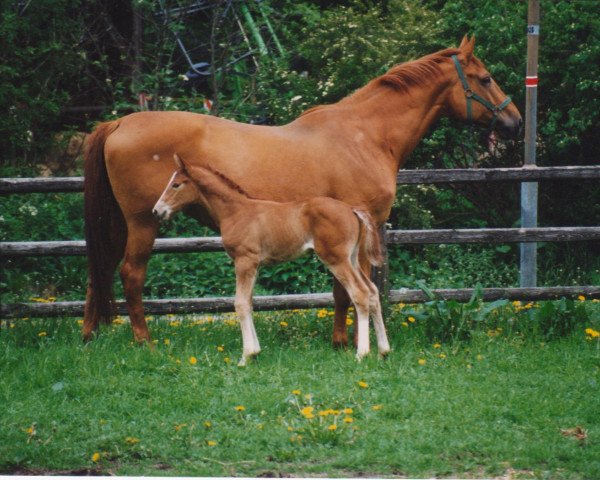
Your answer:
<point x="486" y="80"/>
<point x="176" y="185"/>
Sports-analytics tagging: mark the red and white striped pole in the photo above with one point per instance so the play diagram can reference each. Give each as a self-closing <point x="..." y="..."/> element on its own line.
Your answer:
<point x="529" y="190"/>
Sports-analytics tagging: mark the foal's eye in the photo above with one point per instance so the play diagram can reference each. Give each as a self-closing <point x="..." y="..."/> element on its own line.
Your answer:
<point x="486" y="80"/>
<point x="176" y="185"/>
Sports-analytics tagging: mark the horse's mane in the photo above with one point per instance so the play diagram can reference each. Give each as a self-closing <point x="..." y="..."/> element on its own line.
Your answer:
<point x="405" y="75"/>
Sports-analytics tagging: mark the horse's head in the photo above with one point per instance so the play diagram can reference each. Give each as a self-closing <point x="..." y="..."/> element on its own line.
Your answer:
<point x="179" y="192"/>
<point x="476" y="97"/>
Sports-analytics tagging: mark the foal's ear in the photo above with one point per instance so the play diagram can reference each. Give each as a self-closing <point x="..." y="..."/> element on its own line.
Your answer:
<point x="179" y="163"/>
<point x="466" y="47"/>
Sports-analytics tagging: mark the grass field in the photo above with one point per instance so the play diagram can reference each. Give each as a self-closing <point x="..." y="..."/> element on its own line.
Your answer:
<point x="502" y="400"/>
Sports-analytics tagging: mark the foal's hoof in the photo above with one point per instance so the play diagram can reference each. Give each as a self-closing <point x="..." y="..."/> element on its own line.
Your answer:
<point x="247" y="358"/>
<point x="384" y="353"/>
<point x="360" y="356"/>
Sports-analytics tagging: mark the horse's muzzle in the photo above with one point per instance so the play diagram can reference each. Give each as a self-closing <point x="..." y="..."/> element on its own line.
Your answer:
<point x="509" y="126"/>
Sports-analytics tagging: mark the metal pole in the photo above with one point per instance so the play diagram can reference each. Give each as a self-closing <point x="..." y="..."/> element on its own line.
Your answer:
<point x="529" y="190"/>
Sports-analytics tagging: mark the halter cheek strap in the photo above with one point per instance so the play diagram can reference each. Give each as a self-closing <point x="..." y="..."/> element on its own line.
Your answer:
<point x="471" y="95"/>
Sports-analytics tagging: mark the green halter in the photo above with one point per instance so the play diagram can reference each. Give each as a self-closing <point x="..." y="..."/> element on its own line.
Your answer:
<point x="471" y="95"/>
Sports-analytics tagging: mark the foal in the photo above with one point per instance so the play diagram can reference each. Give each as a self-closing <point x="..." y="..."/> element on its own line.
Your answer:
<point x="260" y="231"/>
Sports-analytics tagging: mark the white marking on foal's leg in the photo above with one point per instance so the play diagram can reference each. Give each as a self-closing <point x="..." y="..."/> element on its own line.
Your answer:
<point x="245" y="275"/>
<point x="383" y="345"/>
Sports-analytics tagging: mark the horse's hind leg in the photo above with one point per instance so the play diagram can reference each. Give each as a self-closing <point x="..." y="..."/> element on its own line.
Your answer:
<point x="92" y="317"/>
<point x="141" y="235"/>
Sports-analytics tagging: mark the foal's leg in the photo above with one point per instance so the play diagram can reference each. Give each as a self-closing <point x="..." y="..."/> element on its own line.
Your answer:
<point x="141" y="235"/>
<point x="350" y="278"/>
<point x="245" y="275"/>
<point x="383" y="346"/>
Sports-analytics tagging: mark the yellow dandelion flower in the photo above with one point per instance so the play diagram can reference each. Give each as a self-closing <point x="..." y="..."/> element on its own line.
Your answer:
<point x="581" y="298"/>
<point x="363" y="384"/>
<point x="348" y="419"/>
<point x="422" y="361"/>
<point x="411" y="319"/>
<point x="80" y="322"/>
<point x="349" y="321"/>
<point x="296" y="392"/>
<point x="211" y="443"/>
<point x="180" y="426"/>
<point x="442" y="355"/>
<point x="332" y="427"/>
<point x="283" y="324"/>
<point x="437" y="345"/>
<point x="322" y="313"/>
<point x="590" y="332"/>
<point x="220" y="348"/>
<point x="479" y="357"/>
<point x="227" y="360"/>
<point x="132" y="440"/>
<point x="207" y="424"/>
<point x="166" y="341"/>
<point x="42" y="334"/>
<point x="96" y="457"/>
<point x="404" y="324"/>
<point x="193" y="360"/>
<point x="348" y="411"/>
<point x="376" y="407"/>
<point x="240" y="408"/>
<point x="307" y="411"/>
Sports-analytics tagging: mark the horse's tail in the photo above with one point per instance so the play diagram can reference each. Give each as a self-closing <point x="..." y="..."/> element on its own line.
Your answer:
<point x="371" y="237"/>
<point x="104" y="223"/>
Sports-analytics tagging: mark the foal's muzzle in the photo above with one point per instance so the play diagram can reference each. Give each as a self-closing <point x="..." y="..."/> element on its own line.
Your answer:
<point x="162" y="212"/>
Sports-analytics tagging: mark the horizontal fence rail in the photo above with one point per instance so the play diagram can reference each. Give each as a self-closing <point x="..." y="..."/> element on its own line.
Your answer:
<point x="522" y="174"/>
<point x="393" y="237"/>
<point x="289" y="302"/>
<point x="320" y="300"/>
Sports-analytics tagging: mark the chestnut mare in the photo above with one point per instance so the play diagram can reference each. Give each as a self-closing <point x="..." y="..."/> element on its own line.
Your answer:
<point x="350" y="151"/>
<point x="257" y="232"/>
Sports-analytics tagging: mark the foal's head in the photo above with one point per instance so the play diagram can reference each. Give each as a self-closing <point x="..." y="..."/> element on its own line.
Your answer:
<point x="179" y="192"/>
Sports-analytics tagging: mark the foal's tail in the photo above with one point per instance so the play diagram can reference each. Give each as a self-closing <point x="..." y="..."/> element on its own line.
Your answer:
<point x="104" y="224"/>
<point x="371" y="239"/>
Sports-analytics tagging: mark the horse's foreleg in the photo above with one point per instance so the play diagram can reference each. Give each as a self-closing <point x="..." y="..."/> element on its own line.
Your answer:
<point x="245" y="275"/>
<point x="342" y="302"/>
<point x="133" y="273"/>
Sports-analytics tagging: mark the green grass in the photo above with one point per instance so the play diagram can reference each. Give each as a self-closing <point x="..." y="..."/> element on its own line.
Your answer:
<point x="477" y="407"/>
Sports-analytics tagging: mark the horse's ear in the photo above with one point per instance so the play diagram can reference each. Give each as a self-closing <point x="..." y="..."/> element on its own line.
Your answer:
<point x="466" y="48"/>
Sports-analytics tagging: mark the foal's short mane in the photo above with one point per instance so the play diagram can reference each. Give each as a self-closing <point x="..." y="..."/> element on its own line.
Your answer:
<point x="228" y="182"/>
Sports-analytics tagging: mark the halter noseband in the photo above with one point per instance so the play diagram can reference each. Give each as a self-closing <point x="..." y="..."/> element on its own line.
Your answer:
<point x="471" y="95"/>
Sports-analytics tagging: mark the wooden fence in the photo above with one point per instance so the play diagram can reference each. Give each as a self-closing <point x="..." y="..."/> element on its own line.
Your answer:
<point x="319" y="300"/>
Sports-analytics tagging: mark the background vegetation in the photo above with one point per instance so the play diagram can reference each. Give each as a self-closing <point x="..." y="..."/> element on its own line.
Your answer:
<point x="66" y="65"/>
